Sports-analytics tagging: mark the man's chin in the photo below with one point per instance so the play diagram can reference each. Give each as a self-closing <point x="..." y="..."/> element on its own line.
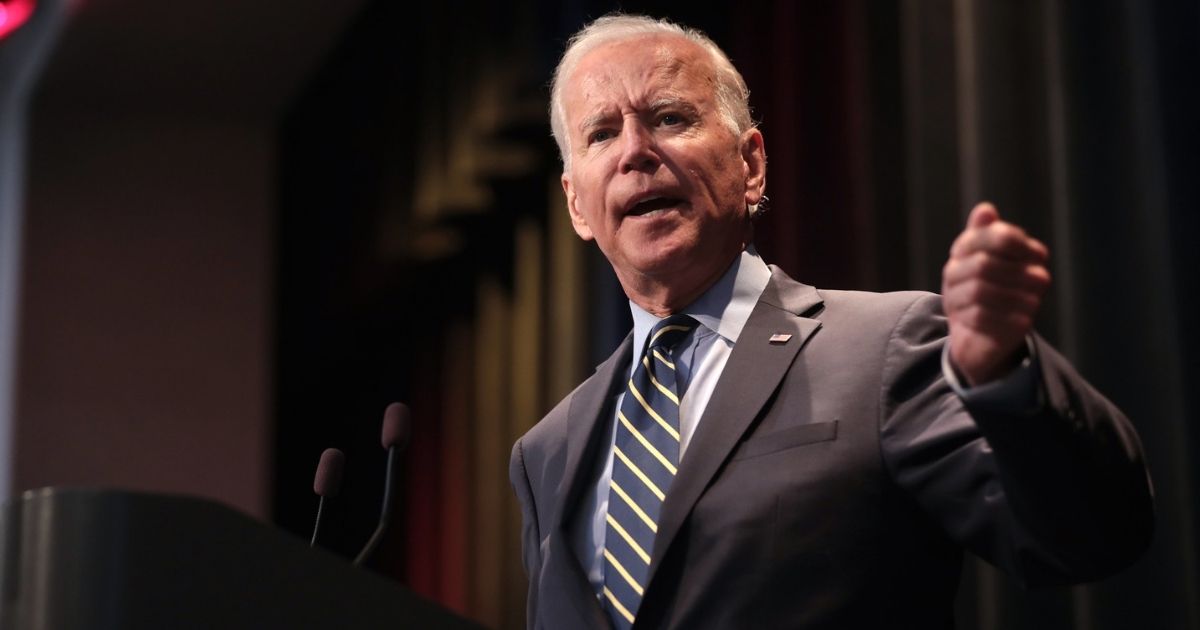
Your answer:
<point x="657" y="257"/>
<point x="662" y="267"/>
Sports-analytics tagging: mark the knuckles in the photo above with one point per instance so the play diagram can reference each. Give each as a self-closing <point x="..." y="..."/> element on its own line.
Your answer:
<point x="998" y="238"/>
<point x="1001" y="323"/>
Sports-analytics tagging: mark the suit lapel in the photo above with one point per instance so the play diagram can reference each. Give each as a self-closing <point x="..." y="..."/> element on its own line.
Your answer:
<point x="586" y="422"/>
<point x="754" y="369"/>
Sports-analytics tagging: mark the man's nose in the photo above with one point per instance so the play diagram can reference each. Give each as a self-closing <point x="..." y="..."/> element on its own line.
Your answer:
<point x="638" y="149"/>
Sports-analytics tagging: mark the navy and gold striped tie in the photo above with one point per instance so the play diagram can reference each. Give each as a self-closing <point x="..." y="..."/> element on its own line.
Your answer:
<point x="645" y="458"/>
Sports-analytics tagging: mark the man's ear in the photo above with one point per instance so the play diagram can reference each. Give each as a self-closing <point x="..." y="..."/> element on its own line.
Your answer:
<point x="577" y="219"/>
<point x="754" y="161"/>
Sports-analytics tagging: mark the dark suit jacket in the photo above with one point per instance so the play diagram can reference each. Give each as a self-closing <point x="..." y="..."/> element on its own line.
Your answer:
<point x="834" y="479"/>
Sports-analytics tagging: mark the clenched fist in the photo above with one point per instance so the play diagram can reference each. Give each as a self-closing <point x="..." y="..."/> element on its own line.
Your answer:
<point x="992" y="287"/>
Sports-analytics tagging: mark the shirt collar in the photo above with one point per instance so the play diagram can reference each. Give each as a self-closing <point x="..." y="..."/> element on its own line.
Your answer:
<point x="724" y="307"/>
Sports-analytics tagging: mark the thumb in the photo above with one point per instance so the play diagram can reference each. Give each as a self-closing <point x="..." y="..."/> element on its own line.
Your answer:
<point x="983" y="214"/>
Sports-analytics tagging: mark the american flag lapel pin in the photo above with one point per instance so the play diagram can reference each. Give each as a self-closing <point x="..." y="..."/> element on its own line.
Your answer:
<point x="779" y="338"/>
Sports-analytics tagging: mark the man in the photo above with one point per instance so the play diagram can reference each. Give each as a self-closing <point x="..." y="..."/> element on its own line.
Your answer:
<point x="762" y="454"/>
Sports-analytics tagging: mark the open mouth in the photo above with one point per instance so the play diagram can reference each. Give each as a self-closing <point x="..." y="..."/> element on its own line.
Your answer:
<point x="653" y="205"/>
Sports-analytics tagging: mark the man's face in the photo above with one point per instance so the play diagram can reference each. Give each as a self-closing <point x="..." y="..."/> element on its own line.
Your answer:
<point x="656" y="177"/>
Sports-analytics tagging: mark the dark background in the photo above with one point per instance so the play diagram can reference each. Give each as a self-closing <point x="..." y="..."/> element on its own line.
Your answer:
<point x="249" y="228"/>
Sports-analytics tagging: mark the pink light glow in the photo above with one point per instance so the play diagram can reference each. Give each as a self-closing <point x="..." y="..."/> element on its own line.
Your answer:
<point x="14" y="13"/>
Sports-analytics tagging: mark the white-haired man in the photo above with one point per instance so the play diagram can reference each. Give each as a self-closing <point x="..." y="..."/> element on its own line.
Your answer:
<point x="762" y="454"/>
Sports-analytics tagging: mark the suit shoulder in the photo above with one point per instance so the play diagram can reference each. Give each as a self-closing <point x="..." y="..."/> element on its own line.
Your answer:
<point x="879" y="310"/>
<point x="888" y="300"/>
<point x="554" y="422"/>
<point x="787" y="294"/>
<point x="551" y="431"/>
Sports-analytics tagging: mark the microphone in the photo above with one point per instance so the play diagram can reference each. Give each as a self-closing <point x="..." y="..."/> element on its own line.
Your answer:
<point x="397" y="429"/>
<point x="327" y="483"/>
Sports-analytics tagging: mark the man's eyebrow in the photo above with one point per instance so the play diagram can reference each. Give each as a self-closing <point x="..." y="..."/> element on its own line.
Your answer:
<point x="593" y="120"/>
<point x="673" y="102"/>
<point x="667" y="102"/>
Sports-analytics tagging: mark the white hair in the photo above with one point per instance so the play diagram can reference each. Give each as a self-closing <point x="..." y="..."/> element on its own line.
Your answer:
<point x="733" y="98"/>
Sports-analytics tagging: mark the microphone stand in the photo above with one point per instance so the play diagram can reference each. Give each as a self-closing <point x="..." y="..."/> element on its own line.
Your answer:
<point x="385" y="516"/>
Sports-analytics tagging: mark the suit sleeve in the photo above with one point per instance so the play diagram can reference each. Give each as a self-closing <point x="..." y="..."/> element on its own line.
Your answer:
<point x="530" y="536"/>
<point x="1058" y="494"/>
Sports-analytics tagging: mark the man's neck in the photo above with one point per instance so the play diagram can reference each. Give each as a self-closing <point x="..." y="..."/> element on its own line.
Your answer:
<point x="663" y="299"/>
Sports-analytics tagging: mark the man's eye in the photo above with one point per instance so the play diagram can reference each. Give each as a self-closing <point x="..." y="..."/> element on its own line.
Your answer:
<point x="670" y="119"/>
<point x="599" y="136"/>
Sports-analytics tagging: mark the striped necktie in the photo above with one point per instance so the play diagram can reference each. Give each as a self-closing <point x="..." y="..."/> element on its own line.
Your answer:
<point x="645" y="458"/>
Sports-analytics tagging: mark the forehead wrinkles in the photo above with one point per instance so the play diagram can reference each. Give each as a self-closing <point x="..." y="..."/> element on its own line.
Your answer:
<point x="674" y="74"/>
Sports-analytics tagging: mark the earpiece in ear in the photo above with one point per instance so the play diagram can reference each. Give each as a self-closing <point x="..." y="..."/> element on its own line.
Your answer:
<point x="760" y="208"/>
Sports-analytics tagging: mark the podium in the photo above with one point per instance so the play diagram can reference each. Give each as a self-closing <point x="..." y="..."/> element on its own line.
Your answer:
<point x="90" y="559"/>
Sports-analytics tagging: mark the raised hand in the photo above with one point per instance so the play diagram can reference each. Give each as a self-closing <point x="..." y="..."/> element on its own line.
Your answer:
<point x="992" y="287"/>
